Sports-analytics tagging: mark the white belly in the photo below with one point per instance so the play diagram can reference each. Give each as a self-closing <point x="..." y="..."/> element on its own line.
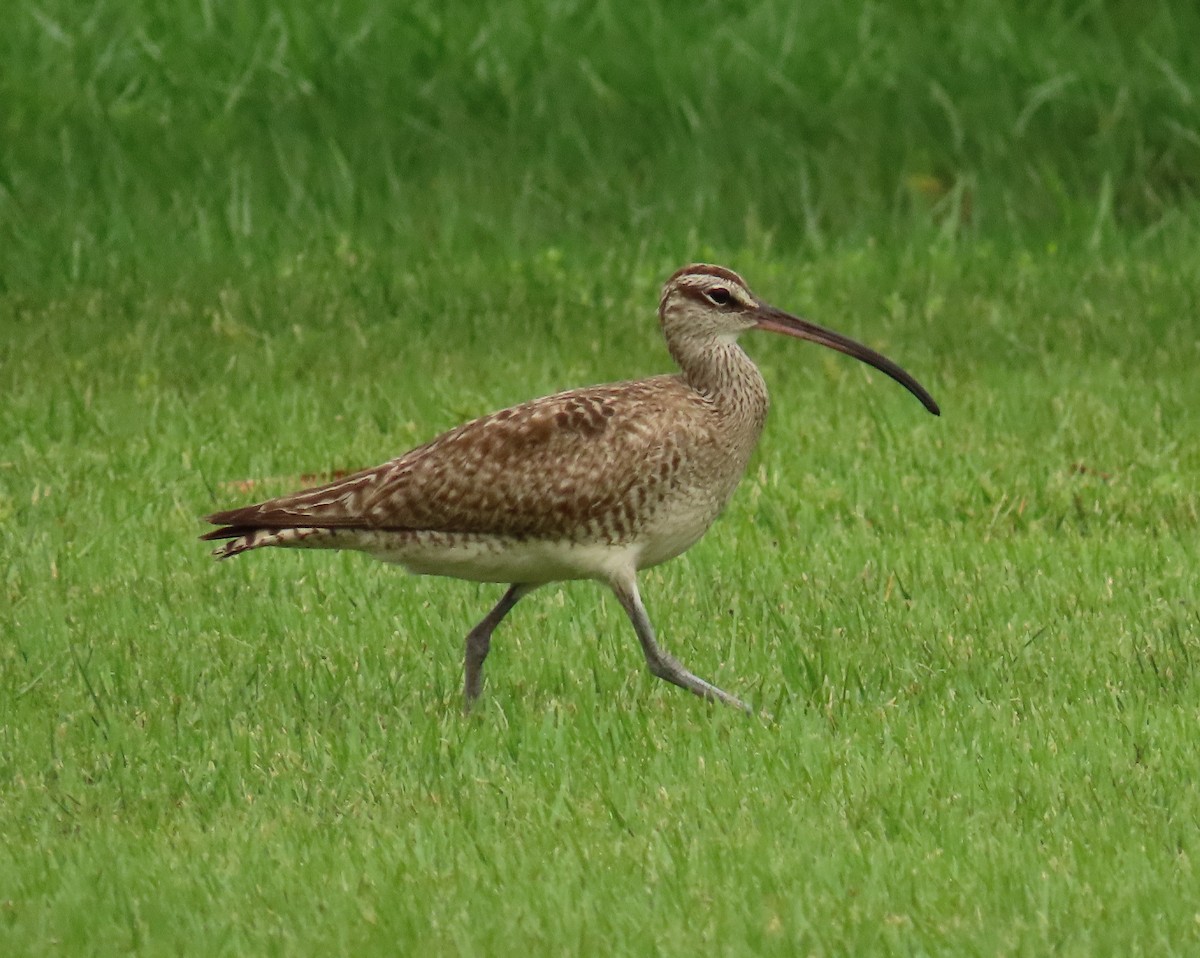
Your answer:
<point x="483" y="558"/>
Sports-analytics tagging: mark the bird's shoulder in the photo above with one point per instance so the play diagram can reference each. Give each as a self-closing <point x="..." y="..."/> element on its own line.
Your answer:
<point x="587" y="417"/>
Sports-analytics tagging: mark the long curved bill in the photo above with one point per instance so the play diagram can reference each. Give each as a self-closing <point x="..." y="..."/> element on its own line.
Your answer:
<point x="777" y="321"/>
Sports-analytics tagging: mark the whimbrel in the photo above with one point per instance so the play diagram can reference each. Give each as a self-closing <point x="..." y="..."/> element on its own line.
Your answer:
<point x="595" y="483"/>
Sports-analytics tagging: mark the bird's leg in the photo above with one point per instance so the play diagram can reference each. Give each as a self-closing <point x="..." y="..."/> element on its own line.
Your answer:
<point x="479" y="640"/>
<point x="663" y="664"/>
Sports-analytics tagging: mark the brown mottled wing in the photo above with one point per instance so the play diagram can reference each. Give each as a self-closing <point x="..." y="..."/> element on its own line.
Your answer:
<point x="579" y="461"/>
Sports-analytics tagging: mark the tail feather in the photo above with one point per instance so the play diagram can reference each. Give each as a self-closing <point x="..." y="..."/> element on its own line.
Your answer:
<point x="228" y="532"/>
<point x="244" y="538"/>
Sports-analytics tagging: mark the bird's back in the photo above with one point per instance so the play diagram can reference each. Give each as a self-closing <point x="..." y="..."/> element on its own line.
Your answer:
<point x="597" y="464"/>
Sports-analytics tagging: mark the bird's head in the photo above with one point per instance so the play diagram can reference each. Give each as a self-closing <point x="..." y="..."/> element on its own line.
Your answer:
<point x="712" y="304"/>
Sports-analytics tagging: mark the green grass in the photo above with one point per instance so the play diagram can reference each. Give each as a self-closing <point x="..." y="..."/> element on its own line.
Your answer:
<point x="248" y="243"/>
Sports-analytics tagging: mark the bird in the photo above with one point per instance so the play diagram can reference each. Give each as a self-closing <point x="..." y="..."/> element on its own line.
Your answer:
<point x="595" y="483"/>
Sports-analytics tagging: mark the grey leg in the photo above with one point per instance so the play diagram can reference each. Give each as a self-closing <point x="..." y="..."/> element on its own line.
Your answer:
<point x="479" y="640"/>
<point x="663" y="664"/>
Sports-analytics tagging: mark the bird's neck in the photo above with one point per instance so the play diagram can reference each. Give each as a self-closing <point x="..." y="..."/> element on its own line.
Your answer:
<point x="722" y="373"/>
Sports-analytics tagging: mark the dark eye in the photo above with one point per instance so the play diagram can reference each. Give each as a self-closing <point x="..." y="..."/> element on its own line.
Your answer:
<point x="719" y="296"/>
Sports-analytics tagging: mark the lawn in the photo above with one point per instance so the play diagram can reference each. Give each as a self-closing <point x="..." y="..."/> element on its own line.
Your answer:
<point x="241" y="245"/>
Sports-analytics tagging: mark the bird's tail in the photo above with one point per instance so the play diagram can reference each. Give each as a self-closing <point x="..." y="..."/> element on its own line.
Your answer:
<point x="243" y="539"/>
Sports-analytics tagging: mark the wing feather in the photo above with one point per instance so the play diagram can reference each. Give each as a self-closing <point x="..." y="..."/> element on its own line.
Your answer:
<point x="553" y="467"/>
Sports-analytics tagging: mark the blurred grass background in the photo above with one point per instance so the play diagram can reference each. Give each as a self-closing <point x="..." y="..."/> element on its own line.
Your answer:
<point x="143" y="135"/>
